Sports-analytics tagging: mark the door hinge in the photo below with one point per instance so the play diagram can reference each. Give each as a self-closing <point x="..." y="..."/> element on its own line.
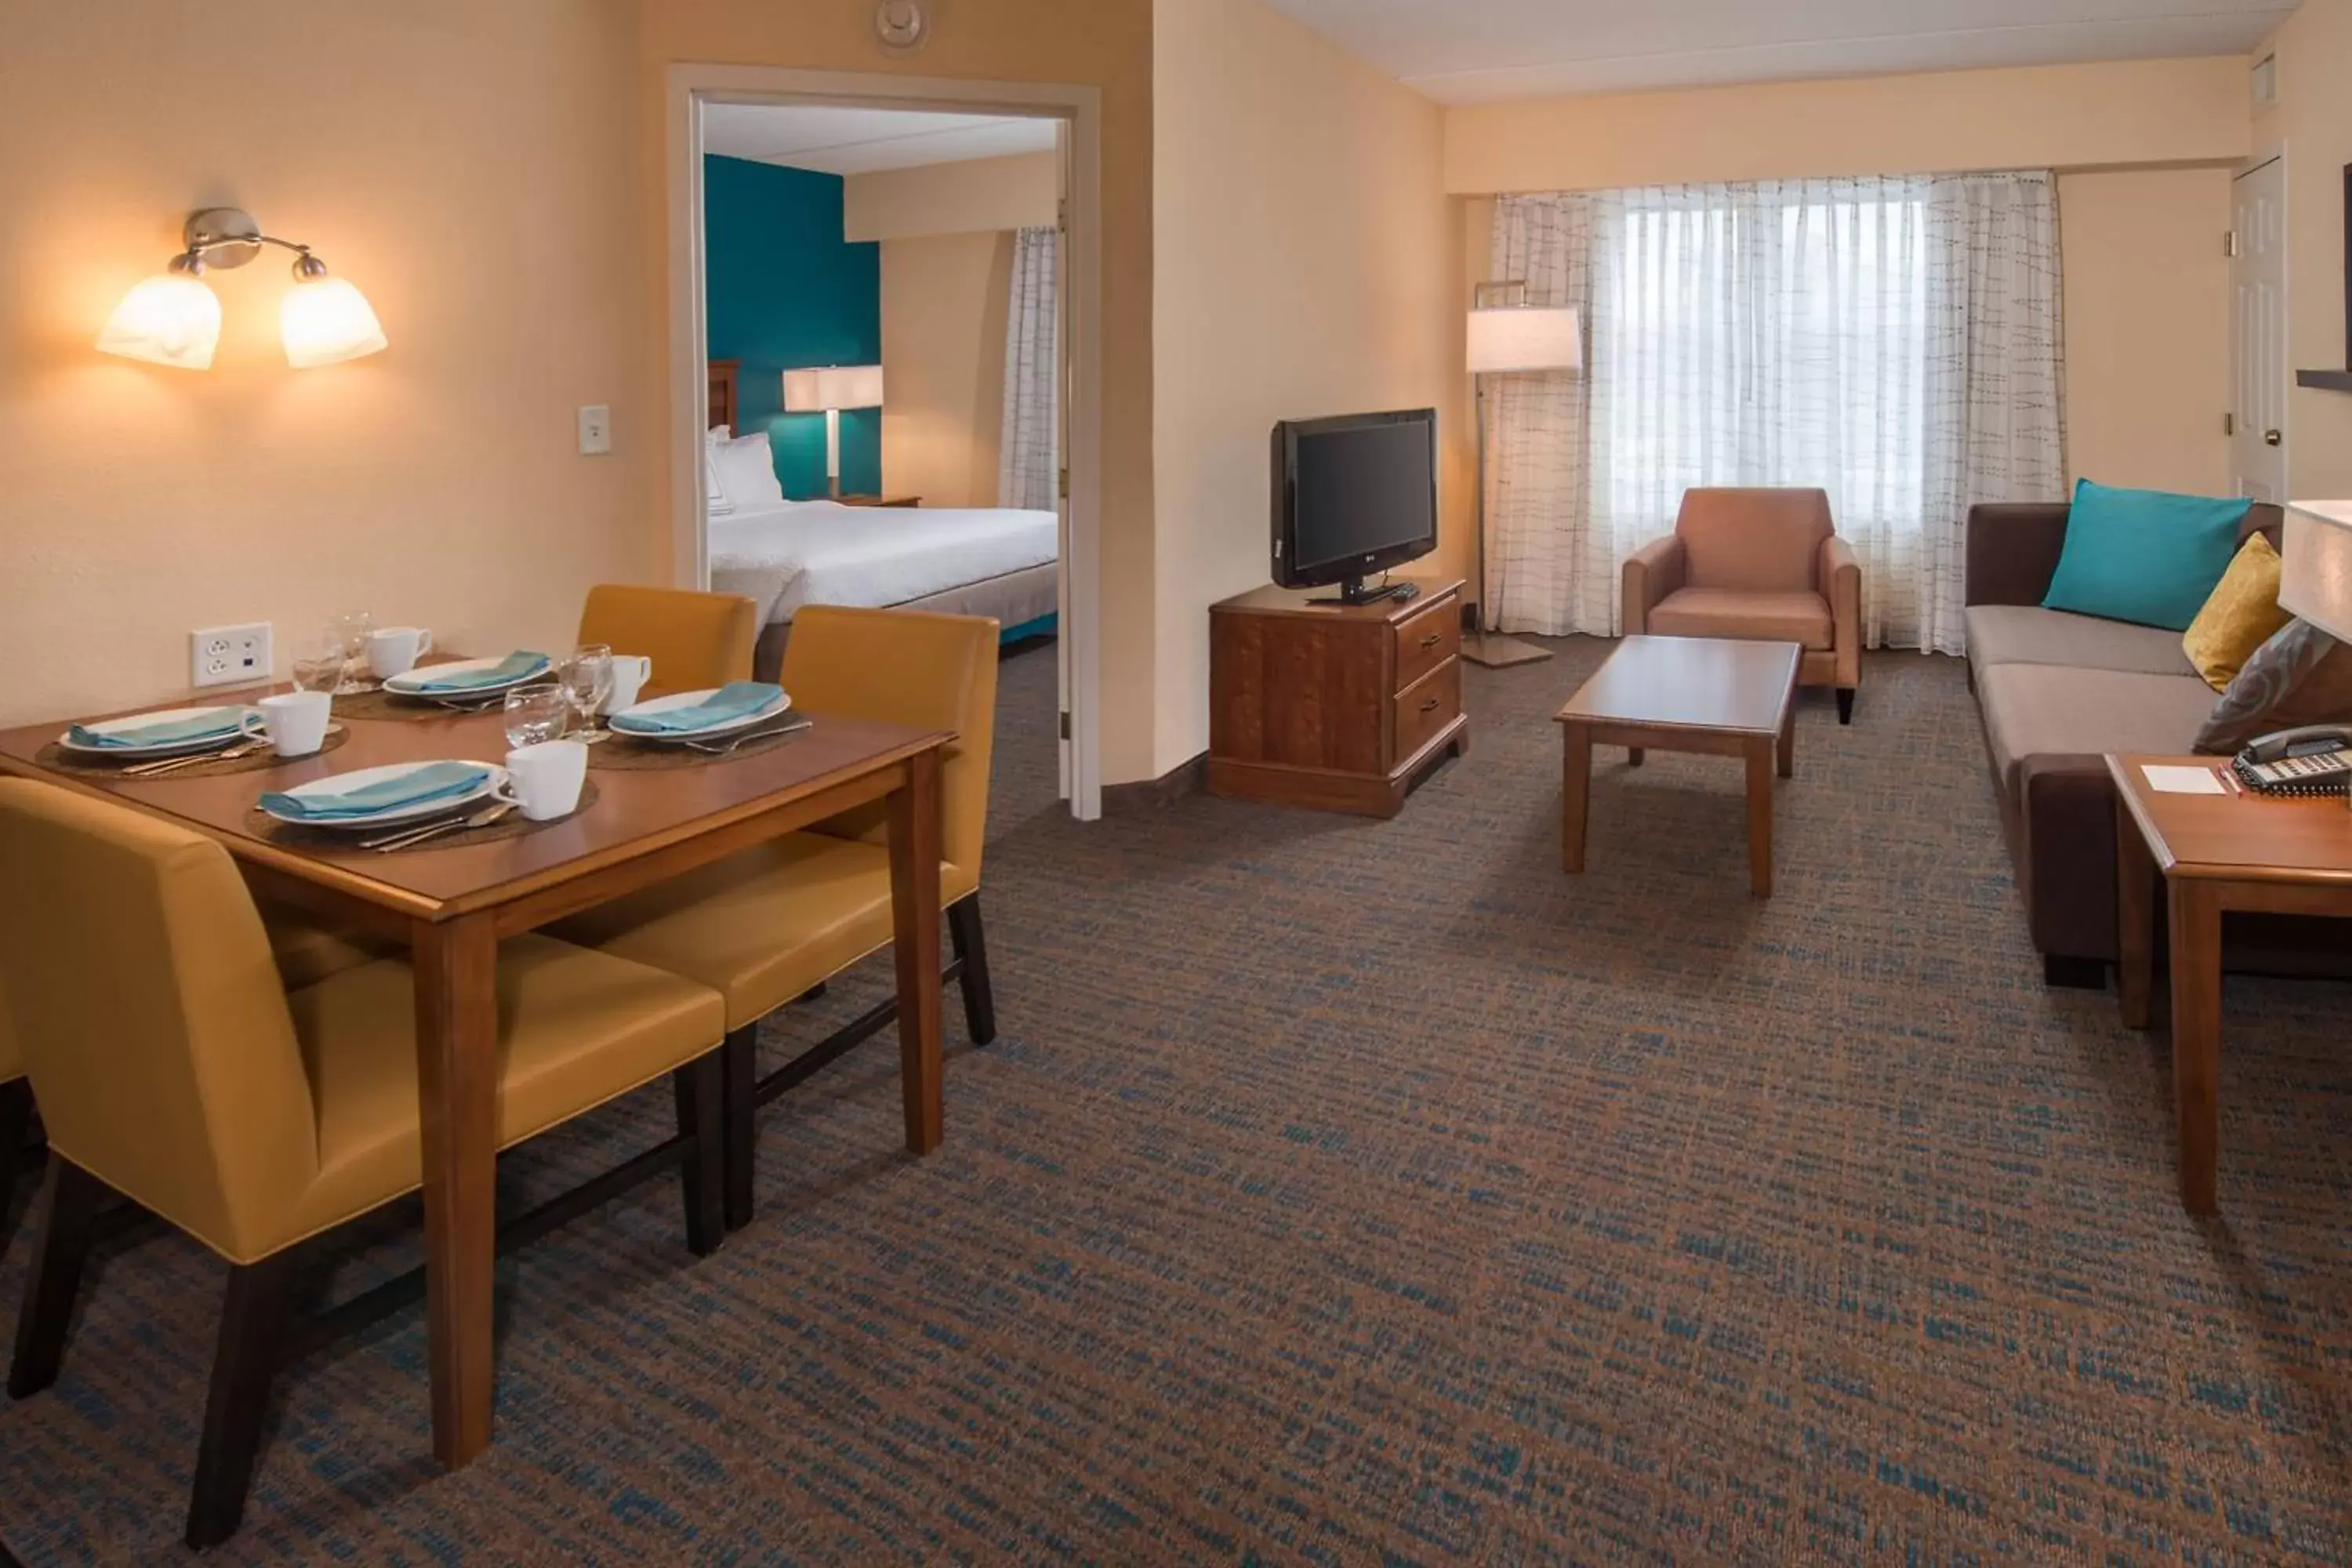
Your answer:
<point x="1063" y="482"/>
<point x="1065" y="726"/>
<point x="2230" y="243"/>
<point x="1062" y="214"/>
<point x="2229" y="424"/>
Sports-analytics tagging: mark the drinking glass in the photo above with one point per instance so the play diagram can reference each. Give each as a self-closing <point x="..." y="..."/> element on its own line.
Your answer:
<point x="588" y="681"/>
<point x="535" y="713"/>
<point x="319" y="666"/>
<point x="349" y="632"/>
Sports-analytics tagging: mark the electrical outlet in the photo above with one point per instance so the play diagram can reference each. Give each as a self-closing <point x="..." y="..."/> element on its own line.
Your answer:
<point x="596" y="430"/>
<point x="230" y="655"/>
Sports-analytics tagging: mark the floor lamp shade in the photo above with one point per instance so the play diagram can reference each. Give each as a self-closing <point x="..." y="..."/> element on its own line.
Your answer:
<point x="1521" y="336"/>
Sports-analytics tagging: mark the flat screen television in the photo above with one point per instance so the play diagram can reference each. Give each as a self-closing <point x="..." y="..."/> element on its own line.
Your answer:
<point x="1354" y="496"/>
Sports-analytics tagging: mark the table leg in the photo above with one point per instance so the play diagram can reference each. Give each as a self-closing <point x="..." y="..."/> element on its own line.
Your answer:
<point x="915" y="926"/>
<point x="1575" y="791"/>
<point x="2197" y="1040"/>
<point x="2135" y="919"/>
<point x="456" y="964"/>
<point x="1758" y="754"/>
<point x="1633" y="755"/>
<point x="1788" y="747"/>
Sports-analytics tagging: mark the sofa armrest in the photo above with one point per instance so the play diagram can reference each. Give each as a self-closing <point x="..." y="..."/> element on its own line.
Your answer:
<point x="1652" y="572"/>
<point x="1840" y="577"/>
<point x="2067" y="859"/>
<point x="2012" y="551"/>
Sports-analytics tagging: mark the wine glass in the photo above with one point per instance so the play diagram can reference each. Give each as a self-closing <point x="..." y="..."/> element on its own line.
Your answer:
<point x="588" y="683"/>
<point x="535" y="713"/>
<point x="349" y="632"/>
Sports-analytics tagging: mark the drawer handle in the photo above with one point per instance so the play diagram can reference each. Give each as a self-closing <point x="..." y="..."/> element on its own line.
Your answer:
<point x="1429" y="706"/>
<point x="1431" y="640"/>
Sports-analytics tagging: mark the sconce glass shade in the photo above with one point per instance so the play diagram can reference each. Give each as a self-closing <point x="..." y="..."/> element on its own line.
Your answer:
<point x="325" y="321"/>
<point x="170" y="318"/>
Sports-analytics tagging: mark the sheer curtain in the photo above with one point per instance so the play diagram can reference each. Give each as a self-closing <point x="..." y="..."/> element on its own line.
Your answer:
<point x="1894" y="341"/>
<point x="1028" y="462"/>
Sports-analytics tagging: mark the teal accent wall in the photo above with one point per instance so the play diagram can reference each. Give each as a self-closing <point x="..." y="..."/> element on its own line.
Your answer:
<point x="784" y="290"/>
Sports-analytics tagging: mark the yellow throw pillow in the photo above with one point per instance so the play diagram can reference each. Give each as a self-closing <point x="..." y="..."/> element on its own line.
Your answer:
<point x="2238" y="617"/>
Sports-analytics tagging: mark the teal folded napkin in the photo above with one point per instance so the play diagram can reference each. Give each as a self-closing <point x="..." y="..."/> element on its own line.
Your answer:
<point x="732" y="701"/>
<point x="512" y="667"/>
<point x="221" y="721"/>
<point x="436" y="781"/>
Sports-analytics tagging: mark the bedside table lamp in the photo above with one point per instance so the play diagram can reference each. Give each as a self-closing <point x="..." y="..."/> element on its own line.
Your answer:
<point x="2315" y="567"/>
<point x="829" y="390"/>
<point x="1507" y="335"/>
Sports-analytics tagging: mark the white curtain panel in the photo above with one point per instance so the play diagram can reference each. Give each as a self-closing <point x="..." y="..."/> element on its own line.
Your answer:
<point x="1895" y="340"/>
<point x="1027" y="463"/>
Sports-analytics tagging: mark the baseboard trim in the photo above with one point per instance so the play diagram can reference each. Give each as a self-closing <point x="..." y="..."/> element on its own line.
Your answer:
<point x="1187" y="778"/>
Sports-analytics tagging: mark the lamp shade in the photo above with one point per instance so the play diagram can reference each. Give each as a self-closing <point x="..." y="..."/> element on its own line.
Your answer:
<point x="325" y="321"/>
<point x="2316" y="566"/>
<point x="1522" y="337"/>
<point x="833" y="387"/>
<point x="169" y="318"/>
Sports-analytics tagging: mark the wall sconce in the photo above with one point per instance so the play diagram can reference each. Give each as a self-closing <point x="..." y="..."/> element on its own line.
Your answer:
<point x="174" y="318"/>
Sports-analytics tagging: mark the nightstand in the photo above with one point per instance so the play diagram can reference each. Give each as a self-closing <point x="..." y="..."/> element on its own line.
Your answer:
<point x="879" y="500"/>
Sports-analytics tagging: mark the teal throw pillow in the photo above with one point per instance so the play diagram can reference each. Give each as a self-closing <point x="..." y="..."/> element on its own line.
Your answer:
<point x="2143" y="556"/>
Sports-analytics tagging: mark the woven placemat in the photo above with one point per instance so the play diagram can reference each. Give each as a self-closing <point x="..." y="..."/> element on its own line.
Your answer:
<point x="514" y="824"/>
<point x="381" y="704"/>
<point x="55" y="756"/>
<point x="622" y="753"/>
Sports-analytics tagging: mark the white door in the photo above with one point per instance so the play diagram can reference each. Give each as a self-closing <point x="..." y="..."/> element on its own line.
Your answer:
<point x="2258" y="334"/>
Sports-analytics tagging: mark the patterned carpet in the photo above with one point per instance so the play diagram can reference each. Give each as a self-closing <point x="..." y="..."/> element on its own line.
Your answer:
<point x="1352" y="1193"/>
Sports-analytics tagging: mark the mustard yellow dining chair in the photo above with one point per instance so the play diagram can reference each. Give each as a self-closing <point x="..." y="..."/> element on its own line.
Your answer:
<point x="694" y="639"/>
<point x="769" y="925"/>
<point x="172" y="1066"/>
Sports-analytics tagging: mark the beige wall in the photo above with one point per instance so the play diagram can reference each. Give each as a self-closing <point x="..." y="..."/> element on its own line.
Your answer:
<point x="2147" y="327"/>
<point x="977" y="196"/>
<point x="944" y="301"/>
<point x="435" y="482"/>
<point x="1305" y="264"/>
<point x="2136" y="111"/>
<point x="1104" y="43"/>
<point x="2312" y="122"/>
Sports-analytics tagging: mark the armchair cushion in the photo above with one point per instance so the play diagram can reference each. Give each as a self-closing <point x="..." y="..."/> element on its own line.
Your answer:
<point x="1802" y="617"/>
<point x="1757" y="541"/>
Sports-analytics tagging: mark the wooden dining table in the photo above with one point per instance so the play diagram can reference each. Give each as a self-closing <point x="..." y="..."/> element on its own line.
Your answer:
<point x="451" y="906"/>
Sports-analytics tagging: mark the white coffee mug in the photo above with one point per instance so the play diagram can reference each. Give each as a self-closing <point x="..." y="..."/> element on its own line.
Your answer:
<point x="545" y="780"/>
<point x="295" y="721"/>
<point x="394" y="650"/>
<point x="630" y="673"/>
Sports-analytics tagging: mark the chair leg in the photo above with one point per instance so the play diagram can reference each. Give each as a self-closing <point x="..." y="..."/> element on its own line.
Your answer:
<point x="252" y="1330"/>
<point x="15" y="1125"/>
<point x="68" y="1227"/>
<point x="972" y="947"/>
<point x="740" y="1099"/>
<point x="1845" y="704"/>
<point x="701" y="1094"/>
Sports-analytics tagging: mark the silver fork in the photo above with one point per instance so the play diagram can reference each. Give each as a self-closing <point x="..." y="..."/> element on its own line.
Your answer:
<point x="707" y="749"/>
<point x="172" y="764"/>
<point x="482" y="818"/>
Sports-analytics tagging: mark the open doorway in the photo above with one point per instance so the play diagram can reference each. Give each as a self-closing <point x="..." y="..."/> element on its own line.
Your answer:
<point x="884" y="299"/>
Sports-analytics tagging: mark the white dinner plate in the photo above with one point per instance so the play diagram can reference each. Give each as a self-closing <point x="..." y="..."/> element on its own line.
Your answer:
<point x="167" y="749"/>
<point x="413" y="683"/>
<point x="781" y="700"/>
<point x="339" y="784"/>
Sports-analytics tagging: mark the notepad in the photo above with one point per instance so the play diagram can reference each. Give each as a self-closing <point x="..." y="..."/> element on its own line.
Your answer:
<point x="2176" y="780"/>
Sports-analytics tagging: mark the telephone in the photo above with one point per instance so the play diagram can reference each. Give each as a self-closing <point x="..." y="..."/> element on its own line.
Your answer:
<point x="2314" y="759"/>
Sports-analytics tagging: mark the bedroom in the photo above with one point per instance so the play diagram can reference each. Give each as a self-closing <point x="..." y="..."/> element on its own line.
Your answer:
<point x="884" y="348"/>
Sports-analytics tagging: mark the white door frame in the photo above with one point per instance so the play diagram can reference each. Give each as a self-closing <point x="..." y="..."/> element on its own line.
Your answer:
<point x="1080" y="109"/>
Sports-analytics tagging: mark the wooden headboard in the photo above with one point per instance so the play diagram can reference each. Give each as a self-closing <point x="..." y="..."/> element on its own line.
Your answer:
<point x="722" y="393"/>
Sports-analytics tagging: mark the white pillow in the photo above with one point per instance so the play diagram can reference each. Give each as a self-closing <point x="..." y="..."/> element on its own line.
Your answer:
<point x="714" y="494"/>
<point x="746" y="470"/>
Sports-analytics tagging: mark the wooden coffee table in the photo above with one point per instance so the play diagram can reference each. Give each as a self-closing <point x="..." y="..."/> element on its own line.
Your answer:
<point x="2235" y="850"/>
<point x="1685" y="694"/>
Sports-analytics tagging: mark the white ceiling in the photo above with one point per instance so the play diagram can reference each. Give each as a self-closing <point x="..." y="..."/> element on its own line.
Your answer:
<point x="864" y="141"/>
<point x="1459" y="52"/>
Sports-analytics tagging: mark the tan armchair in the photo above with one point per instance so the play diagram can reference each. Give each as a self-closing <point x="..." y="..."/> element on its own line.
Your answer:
<point x="1765" y="564"/>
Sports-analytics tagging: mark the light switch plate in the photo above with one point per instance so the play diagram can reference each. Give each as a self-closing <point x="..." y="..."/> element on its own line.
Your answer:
<point x="230" y="655"/>
<point x="596" y="430"/>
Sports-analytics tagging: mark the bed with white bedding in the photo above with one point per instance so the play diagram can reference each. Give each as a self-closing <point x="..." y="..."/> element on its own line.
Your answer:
<point x="990" y="561"/>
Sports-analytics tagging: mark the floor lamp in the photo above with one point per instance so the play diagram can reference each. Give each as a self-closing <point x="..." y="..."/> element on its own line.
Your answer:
<point x="1507" y="335"/>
